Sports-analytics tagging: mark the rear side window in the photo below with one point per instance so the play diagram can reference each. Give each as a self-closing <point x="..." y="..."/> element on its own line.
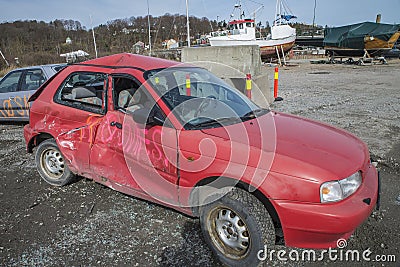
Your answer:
<point x="86" y="91"/>
<point x="10" y="82"/>
<point x="32" y="80"/>
<point x="58" y="68"/>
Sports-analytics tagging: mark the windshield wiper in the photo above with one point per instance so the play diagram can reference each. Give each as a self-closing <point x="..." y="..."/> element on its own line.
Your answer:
<point x="254" y="114"/>
<point x="219" y="122"/>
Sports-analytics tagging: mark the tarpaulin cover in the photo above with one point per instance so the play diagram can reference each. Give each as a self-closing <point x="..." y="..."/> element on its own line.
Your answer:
<point x="352" y="36"/>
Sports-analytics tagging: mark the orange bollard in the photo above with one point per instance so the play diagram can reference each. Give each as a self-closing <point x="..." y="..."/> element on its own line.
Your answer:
<point x="248" y="85"/>
<point x="188" y="91"/>
<point x="276" y="78"/>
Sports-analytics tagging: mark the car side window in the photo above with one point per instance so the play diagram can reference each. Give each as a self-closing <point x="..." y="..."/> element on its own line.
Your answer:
<point x="86" y="91"/>
<point x="32" y="79"/>
<point x="126" y="94"/>
<point x="130" y="96"/>
<point x="10" y="82"/>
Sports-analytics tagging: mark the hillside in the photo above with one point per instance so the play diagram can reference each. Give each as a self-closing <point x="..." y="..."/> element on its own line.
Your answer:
<point x="37" y="42"/>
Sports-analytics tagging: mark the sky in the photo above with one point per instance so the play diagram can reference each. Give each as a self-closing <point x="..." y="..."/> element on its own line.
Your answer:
<point x="328" y="12"/>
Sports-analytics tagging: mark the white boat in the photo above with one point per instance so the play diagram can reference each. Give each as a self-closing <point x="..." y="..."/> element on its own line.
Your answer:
<point x="243" y="32"/>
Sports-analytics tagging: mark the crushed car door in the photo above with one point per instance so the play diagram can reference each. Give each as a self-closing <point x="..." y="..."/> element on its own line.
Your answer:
<point x="134" y="155"/>
<point x="82" y="96"/>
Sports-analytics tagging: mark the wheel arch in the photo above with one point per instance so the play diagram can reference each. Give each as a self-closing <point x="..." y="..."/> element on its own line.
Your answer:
<point x="229" y="182"/>
<point x="37" y="139"/>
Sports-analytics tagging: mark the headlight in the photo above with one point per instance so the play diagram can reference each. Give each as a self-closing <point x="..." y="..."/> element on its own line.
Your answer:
<point x="338" y="190"/>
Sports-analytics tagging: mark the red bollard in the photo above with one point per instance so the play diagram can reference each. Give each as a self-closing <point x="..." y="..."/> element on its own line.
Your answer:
<point x="276" y="78"/>
<point x="248" y="85"/>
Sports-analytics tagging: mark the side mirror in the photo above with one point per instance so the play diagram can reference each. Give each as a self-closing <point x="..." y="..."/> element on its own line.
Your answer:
<point x="146" y="117"/>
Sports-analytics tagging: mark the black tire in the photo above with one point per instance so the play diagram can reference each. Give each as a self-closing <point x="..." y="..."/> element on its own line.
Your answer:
<point x="51" y="165"/>
<point x="236" y="227"/>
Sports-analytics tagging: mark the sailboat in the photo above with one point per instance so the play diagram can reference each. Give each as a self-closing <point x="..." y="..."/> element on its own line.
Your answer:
<point x="242" y="31"/>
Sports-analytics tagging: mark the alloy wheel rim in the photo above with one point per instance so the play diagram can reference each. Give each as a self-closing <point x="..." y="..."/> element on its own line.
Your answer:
<point x="229" y="233"/>
<point x="52" y="163"/>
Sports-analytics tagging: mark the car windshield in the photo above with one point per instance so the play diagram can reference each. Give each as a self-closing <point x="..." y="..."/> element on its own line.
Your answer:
<point x="201" y="100"/>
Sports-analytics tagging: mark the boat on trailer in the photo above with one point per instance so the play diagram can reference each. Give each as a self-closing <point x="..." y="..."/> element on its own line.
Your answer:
<point x="243" y="32"/>
<point x="362" y="39"/>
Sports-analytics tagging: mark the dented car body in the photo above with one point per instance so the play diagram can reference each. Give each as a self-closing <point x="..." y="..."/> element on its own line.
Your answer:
<point x="176" y="135"/>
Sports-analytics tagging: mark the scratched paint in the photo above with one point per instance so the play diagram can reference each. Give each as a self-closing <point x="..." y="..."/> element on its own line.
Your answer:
<point x="134" y="141"/>
<point x="91" y="124"/>
<point x="143" y="144"/>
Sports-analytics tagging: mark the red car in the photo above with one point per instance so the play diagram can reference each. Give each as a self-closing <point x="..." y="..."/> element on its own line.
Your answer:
<point x="176" y="135"/>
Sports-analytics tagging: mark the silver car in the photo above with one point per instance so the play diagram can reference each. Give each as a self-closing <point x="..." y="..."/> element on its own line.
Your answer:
<point x="18" y="85"/>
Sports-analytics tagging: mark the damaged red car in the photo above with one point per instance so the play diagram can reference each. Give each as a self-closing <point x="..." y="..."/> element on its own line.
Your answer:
<point x="177" y="135"/>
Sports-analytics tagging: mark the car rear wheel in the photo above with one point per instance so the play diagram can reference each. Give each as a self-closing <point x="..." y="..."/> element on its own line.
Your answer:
<point x="51" y="164"/>
<point x="237" y="227"/>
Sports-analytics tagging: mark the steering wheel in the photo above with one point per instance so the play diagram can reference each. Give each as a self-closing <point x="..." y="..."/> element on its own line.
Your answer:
<point x="203" y="105"/>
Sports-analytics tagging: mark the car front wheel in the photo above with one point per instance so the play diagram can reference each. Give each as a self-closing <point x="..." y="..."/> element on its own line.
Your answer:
<point x="237" y="227"/>
<point x="51" y="164"/>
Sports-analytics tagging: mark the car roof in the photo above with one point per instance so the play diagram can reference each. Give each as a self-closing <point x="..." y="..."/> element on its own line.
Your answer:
<point x="131" y="60"/>
<point x="40" y="66"/>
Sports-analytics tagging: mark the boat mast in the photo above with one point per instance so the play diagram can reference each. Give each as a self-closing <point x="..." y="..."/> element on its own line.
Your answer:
<point x="278" y="12"/>
<point x="240" y="10"/>
<point x="94" y="37"/>
<point x="148" y="22"/>
<point x="187" y="23"/>
<point x="254" y="15"/>
<point x="313" y="22"/>
<point x="239" y="6"/>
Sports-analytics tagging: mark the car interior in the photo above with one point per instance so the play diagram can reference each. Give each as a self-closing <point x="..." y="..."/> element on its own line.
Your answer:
<point x="33" y="79"/>
<point x="128" y="95"/>
<point x="84" y="89"/>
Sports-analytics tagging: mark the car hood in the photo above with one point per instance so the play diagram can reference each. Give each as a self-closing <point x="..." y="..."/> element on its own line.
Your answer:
<point x="296" y="146"/>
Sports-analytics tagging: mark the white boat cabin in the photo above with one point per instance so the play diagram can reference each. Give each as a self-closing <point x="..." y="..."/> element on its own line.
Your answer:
<point x="244" y="27"/>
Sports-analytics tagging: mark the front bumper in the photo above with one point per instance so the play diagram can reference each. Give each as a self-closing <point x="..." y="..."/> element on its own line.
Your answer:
<point x="316" y="225"/>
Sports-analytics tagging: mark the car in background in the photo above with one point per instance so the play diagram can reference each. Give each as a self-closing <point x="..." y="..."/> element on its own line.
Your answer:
<point x="18" y="85"/>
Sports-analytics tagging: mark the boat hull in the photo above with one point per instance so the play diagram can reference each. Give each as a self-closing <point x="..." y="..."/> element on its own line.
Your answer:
<point x="348" y="52"/>
<point x="270" y="51"/>
<point x="267" y="47"/>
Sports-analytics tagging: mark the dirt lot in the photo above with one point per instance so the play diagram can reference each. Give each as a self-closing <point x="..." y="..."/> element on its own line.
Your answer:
<point x="87" y="224"/>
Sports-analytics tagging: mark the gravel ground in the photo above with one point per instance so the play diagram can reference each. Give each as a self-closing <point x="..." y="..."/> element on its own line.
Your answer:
<point x="87" y="224"/>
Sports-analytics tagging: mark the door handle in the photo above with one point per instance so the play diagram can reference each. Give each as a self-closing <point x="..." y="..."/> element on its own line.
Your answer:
<point x="116" y="124"/>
